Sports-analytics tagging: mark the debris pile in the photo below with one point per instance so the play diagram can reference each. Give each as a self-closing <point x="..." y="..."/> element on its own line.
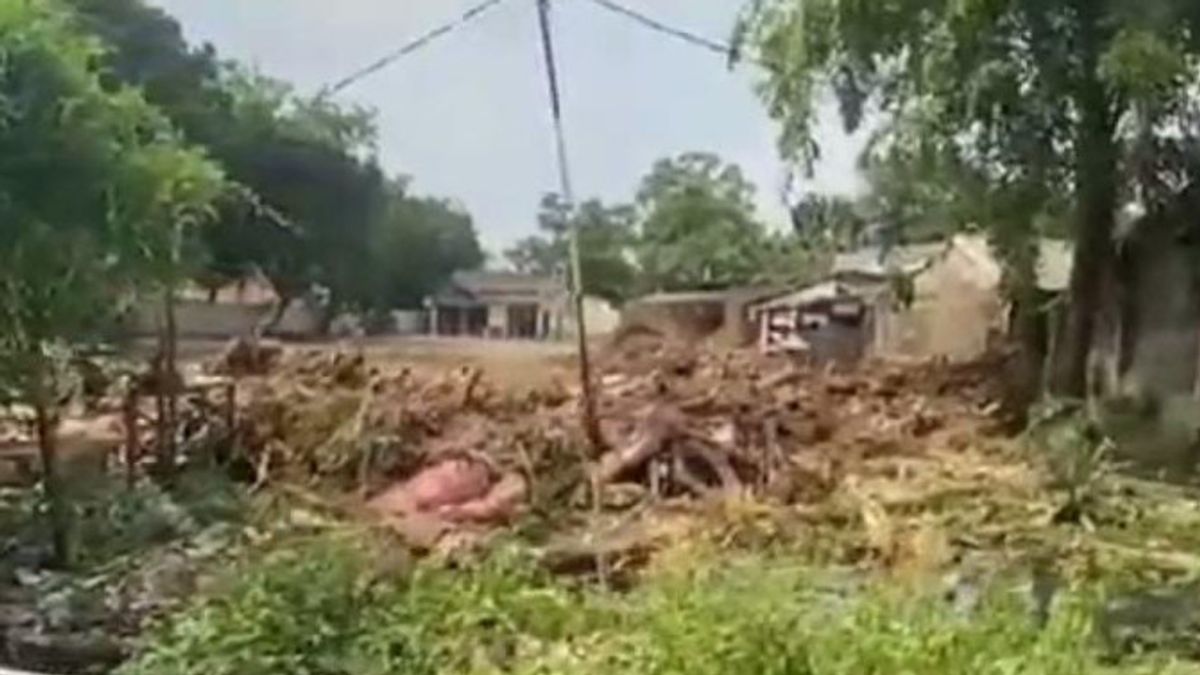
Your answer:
<point x="248" y="356"/>
<point x="444" y="450"/>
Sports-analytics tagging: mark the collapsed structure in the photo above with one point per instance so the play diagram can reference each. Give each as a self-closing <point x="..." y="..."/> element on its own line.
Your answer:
<point x="939" y="300"/>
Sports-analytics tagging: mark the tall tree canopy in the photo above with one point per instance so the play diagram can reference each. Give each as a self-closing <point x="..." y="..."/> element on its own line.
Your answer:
<point x="1034" y="100"/>
<point x="606" y="235"/>
<point x="834" y="220"/>
<point x="97" y="194"/>
<point x="313" y="201"/>
<point x="418" y="245"/>
<point x="697" y="224"/>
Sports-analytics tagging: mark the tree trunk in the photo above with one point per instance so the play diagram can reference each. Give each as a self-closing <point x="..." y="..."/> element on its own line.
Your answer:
<point x="60" y="523"/>
<point x="1029" y="326"/>
<point x="166" y="395"/>
<point x="171" y="365"/>
<point x="1093" y="279"/>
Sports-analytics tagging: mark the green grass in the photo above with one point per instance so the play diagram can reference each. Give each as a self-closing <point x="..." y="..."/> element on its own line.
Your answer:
<point x="331" y="606"/>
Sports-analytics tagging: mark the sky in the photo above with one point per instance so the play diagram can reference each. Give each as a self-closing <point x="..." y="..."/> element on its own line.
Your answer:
<point x="467" y="117"/>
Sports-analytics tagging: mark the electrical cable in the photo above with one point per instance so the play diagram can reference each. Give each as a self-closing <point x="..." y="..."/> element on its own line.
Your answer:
<point x="408" y="48"/>
<point x="724" y="49"/>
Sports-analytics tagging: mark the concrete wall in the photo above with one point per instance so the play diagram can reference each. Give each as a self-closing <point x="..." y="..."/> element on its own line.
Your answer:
<point x="410" y="322"/>
<point x="601" y="317"/>
<point x="204" y="320"/>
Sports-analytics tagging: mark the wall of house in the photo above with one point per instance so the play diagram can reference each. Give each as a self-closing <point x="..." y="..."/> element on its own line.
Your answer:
<point x="838" y="341"/>
<point x="602" y="318"/>
<point x="497" y="320"/>
<point x="410" y="322"/>
<point x="954" y="314"/>
<point x="200" y="319"/>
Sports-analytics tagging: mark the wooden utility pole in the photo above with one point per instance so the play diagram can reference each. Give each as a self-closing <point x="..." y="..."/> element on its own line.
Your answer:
<point x="591" y="424"/>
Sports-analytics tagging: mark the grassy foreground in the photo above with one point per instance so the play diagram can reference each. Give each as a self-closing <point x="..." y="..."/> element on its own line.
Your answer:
<point x="331" y="606"/>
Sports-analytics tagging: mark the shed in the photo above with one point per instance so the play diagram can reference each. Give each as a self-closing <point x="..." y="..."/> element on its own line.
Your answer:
<point x="827" y="322"/>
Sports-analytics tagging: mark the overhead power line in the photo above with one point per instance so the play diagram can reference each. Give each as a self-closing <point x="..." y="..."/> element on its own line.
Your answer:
<point x="722" y="48"/>
<point x="409" y="48"/>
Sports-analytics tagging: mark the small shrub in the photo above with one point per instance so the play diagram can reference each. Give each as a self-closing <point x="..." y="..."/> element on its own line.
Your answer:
<point x="330" y="606"/>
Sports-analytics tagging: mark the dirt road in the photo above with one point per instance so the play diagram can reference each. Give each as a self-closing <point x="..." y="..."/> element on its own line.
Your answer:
<point x="507" y="362"/>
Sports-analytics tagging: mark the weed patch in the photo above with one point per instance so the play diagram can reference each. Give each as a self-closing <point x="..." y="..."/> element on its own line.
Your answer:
<point x="333" y="606"/>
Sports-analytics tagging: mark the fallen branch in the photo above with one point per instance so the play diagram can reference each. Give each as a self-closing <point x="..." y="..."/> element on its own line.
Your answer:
<point x="719" y="462"/>
<point x="660" y="425"/>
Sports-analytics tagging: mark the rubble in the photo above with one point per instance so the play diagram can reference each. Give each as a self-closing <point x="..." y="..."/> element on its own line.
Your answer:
<point x="248" y="356"/>
<point x="438" y="452"/>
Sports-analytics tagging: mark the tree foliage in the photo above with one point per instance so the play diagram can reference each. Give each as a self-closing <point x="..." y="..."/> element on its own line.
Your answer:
<point x="837" y="221"/>
<point x="1035" y="104"/>
<point x="313" y="204"/>
<point x="96" y="194"/>
<point x="606" y="235"/>
<point x="697" y="224"/>
<point x="418" y="245"/>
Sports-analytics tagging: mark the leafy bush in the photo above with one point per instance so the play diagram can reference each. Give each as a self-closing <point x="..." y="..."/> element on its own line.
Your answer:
<point x="328" y="607"/>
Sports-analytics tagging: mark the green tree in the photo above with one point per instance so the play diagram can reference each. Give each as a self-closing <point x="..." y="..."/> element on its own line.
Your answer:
<point x="313" y="208"/>
<point x="1083" y="98"/>
<point x="311" y="191"/>
<point x="94" y="192"/>
<point x="697" y="225"/>
<point x="312" y="164"/>
<point x="606" y="236"/>
<point x="836" y="220"/>
<point x="419" y="244"/>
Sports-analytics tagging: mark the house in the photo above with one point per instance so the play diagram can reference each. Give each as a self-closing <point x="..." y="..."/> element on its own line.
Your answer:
<point x="500" y="305"/>
<point x="935" y="300"/>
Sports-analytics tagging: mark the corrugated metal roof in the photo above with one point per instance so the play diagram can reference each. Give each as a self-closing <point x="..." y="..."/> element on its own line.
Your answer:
<point x="822" y="292"/>
<point x="881" y="262"/>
